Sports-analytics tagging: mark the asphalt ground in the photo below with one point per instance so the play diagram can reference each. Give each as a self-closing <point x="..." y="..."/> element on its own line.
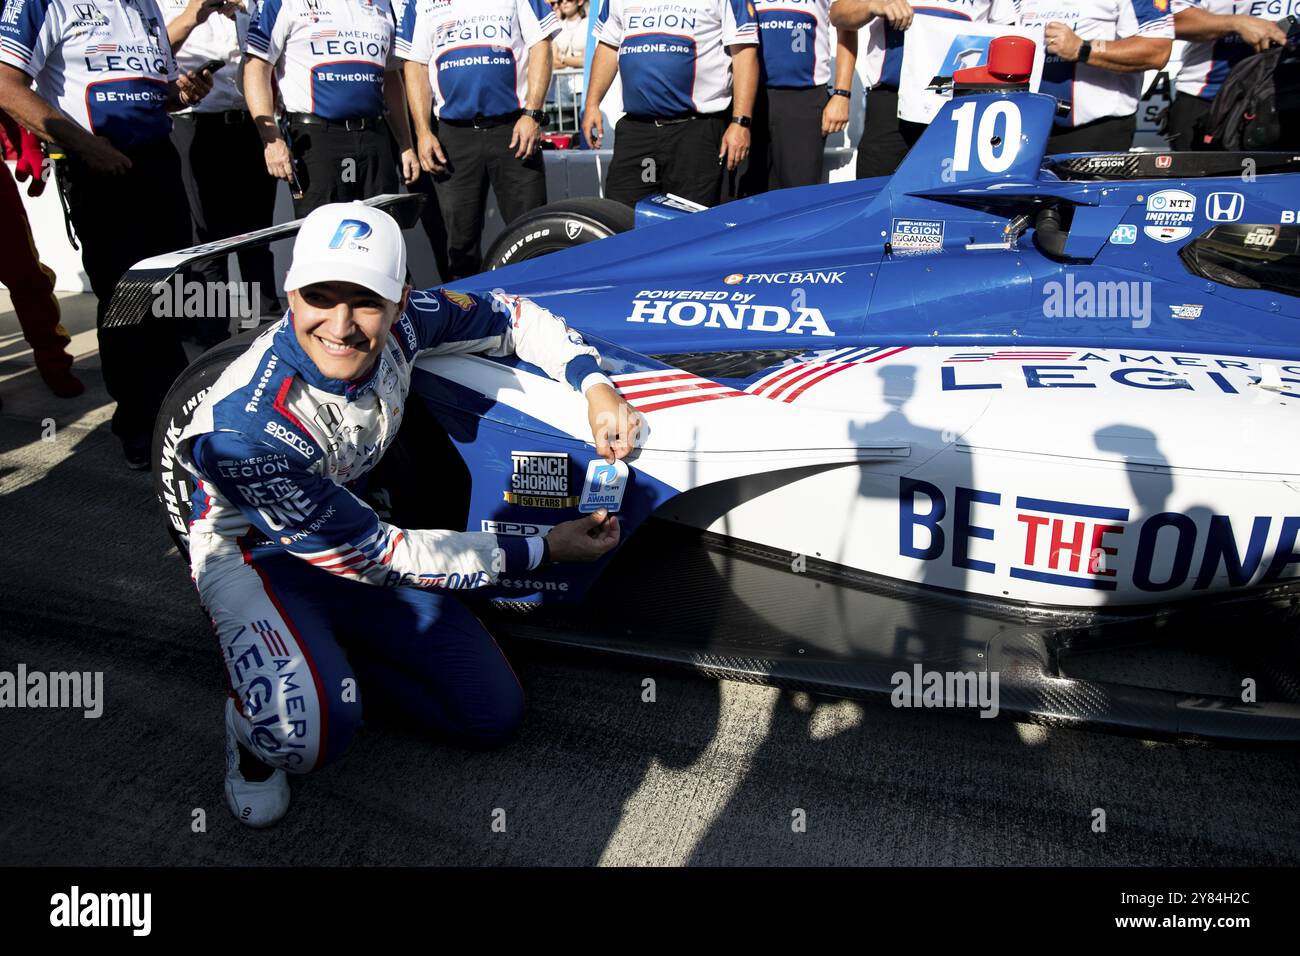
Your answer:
<point x="709" y="773"/>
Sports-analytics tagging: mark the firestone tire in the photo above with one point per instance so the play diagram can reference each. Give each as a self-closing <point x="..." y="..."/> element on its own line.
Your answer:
<point x="172" y="484"/>
<point x="559" y="225"/>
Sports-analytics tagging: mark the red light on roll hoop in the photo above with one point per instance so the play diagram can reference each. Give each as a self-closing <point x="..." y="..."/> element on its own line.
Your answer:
<point x="1011" y="61"/>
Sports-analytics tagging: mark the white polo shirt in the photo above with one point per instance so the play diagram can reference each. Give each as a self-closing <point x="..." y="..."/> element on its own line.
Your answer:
<point x="216" y="38"/>
<point x="105" y="63"/>
<point x="1096" y="93"/>
<point x="476" y="51"/>
<point x="672" y="54"/>
<point x="1207" y="63"/>
<point x="329" y="55"/>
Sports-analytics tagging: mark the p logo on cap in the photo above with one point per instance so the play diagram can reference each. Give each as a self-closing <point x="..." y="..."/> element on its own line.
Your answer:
<point x="329" y="248"/>
<point x="350" y="229"/>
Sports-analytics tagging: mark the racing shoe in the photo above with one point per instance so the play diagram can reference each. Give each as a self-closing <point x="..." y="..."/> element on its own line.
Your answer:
<point x="257" y="795"/>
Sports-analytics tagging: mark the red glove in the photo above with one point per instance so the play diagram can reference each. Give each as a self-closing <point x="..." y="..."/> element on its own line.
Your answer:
<point x="31" y="162"/>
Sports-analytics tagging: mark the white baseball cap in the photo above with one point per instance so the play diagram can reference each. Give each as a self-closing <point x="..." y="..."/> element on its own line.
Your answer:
<point x="349" y="242"/>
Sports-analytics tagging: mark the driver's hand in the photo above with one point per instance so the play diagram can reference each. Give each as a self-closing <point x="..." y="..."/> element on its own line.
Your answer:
<point x="585" y="539"/>
<point x="615" y="425"/>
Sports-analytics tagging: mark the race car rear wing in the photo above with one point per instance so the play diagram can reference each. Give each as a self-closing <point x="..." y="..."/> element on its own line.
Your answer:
<point x="137" y="289"/>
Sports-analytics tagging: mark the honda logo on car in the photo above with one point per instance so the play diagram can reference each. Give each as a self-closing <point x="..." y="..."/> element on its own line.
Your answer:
<point x="1224" y="207"/>
<point x="686" y="308"/>
<point x="1169" y="214"/>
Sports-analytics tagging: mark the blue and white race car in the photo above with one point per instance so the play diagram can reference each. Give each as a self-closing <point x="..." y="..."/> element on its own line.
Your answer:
<point x="999" y="414"/>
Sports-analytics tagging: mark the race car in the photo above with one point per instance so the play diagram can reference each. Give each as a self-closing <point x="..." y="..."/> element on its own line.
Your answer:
<point x="1000" y="418"/>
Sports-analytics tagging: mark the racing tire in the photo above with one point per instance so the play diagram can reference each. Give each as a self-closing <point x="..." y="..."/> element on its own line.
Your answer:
<point x="559" y="225"/>
<point x="172" y="485"/>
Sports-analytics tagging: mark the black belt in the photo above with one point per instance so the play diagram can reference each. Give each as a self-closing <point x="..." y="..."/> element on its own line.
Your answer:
<point x="671" y="120"/>
<point x="484" y="122"/>
<point x="228" y="117"/>
<point x="351" y="125"/>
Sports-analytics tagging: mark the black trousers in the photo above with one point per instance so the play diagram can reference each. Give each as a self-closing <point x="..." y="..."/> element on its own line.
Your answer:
<point x="1184" y="111"/>
<point x="120" y="220"/>
<point x="1110" y="134"/>
<point x="340" y="165"/>
<point x="479" y="156"/>
<point x="230" y="192"/>
<point x="788" y="147"/>
<point x="678" y="157"/>
<point x="885" y="138"/>
<point x="435" y="227"/>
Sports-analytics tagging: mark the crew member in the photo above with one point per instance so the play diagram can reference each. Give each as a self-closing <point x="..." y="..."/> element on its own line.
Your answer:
<point x="105" y="82"/>
<point x="477" y="72"/>
<point x="29" y="281"/>
<point x="229" y="189"/>
<point x="886" y="138"/>
<point x="796" y="110"/>
<point x="1220" y="33"/>
<point x="1097" y="51"/>
<point x="307" y="587"/>
<point x="334" y="66"/>
<point x="690" y="76"/>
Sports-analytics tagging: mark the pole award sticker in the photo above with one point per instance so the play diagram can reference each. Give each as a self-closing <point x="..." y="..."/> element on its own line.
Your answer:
<point x="603" y="487"/>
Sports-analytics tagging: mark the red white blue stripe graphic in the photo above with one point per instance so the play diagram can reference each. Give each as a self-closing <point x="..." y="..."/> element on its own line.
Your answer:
<point x="271" y="638"/>
<point x="790" y="381"/>
<point x="18" y="51"/>
<point x="373" y="551"/>
<point x="669" y="388"/>
<point x="1011" y="355"/>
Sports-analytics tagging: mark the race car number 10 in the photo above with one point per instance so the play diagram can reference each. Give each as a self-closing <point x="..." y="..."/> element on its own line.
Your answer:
<point x="995" y="155"/>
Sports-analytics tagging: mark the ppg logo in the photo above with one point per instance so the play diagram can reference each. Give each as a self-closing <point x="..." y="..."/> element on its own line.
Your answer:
<point x="1124" y="235"/>
<point x="1224" y="207"/>
<point x="350" y="230"/>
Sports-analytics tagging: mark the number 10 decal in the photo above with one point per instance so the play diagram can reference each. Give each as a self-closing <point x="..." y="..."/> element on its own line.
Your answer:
<point x="992" y="158"/>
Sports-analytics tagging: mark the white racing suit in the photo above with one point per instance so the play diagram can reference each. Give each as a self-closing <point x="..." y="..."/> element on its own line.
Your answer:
<point x="315" y="600"/>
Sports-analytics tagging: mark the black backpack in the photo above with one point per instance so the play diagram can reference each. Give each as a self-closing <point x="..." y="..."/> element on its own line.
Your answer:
<point x="1258" y="106"/>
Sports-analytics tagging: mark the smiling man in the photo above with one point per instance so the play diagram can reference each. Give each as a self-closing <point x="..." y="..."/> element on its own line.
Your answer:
<point x="315" y="600"/>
